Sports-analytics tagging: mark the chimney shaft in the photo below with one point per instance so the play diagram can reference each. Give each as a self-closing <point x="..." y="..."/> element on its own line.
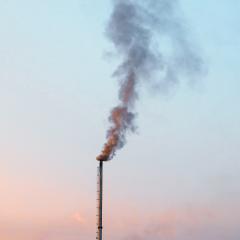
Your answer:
<point x="100" y="201"/>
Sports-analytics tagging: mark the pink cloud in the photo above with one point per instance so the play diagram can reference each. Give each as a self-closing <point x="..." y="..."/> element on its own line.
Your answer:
<point x="79" y="218"/>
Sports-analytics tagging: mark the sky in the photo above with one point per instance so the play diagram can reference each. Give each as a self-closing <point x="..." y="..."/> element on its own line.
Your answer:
<point x="176" y="179"/>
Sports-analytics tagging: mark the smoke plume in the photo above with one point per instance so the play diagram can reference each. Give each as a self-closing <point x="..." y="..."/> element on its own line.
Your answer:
<point x="150" y="38"/>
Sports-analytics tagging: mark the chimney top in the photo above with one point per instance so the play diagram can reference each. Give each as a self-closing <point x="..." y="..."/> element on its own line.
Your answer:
<point x="102" y="158"/>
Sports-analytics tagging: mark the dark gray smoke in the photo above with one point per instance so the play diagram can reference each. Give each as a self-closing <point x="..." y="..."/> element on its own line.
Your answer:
<point x="150" y="38"/>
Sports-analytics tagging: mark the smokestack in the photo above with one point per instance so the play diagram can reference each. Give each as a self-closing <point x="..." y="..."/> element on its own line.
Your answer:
<point x="101" y="159"/>
<point x="100" y="201"/>
<point x="139" y="30"/>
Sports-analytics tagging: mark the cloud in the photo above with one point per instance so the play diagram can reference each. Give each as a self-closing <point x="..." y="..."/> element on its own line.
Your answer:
<point x="70" y="228"/>
<point x="79" y="218"/>
<point x="188" y="224"/>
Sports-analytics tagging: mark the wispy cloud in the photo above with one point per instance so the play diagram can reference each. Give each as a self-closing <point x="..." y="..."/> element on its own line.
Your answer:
<point x="70" y="228"/>
<point x="187" y="224"/>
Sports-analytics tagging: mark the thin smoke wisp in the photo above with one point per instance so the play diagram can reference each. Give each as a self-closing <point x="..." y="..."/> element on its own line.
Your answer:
<point x="139" y="31"/>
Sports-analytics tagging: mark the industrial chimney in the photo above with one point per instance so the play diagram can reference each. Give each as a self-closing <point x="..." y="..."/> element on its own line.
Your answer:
<point x="100" y="198"/>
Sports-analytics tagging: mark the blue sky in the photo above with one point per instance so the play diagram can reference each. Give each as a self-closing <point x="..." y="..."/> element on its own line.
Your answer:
<point x="55" y="96"/>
